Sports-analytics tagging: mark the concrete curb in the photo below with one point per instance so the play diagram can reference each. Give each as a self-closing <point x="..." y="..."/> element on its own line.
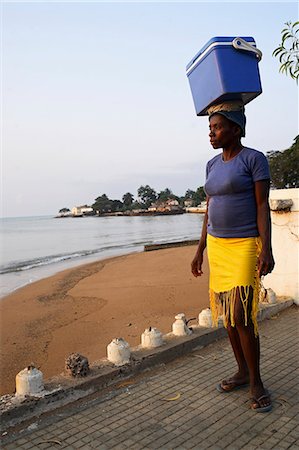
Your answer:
<point x="62" y="390"/>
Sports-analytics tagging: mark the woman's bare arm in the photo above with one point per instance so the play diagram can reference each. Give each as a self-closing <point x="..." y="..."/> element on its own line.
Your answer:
<point x="266" y="260"/>
<point x="196" y="265"/>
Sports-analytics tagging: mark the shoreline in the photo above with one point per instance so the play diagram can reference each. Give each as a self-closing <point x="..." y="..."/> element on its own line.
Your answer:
<point x="52" y="246"/>
<point x="40" y="273"/>
<point x="82" y="309"/>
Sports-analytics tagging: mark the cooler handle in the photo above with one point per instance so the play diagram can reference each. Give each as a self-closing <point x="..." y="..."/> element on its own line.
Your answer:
<point x="240" y="44"/>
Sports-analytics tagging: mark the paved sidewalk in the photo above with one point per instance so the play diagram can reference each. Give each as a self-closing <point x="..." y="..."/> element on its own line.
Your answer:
<point x="137" y="416"/>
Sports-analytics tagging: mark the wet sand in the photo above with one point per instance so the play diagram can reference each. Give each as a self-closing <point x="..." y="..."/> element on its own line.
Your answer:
<point x="84" y="308"/>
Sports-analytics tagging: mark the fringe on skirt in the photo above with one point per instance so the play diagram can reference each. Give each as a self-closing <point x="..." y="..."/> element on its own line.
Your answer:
<point x="233" y="273"/>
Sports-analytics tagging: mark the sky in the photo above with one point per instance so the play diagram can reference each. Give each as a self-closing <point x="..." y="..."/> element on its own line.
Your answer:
<point x="95" y="97"/>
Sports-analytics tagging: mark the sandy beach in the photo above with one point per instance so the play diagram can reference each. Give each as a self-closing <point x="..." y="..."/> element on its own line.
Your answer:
<point x="84" y="308"/>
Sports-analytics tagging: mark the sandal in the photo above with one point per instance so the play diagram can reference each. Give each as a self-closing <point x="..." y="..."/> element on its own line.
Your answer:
<point x="231" y="386"/>
<point x="261" y="409"/>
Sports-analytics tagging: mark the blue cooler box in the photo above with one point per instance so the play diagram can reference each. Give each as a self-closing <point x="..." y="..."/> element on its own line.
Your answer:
<point x="226" y="68"/>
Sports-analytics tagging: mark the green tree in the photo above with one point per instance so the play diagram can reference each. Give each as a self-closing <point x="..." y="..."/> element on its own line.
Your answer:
<point x="116" y="205"/>
<point x="102" y="204"/>
<point x="137" y="205"/>
<point x="147" y="195"/>
<point x="199" y="195"/>
<point x="189" y="195"/>
<point x="288" y="50"/>
<point x="64" y="210"/>
<point x="284" y="166"/>
<point x="128" y="199"/>
<point x="165" y="195"/>
<point x="181" y="200"/>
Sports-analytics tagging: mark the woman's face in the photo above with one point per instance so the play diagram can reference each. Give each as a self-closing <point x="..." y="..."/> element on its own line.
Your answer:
<point x="222" y="131"/>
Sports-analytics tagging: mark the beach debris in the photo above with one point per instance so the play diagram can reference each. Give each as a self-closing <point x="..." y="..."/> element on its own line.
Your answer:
<point x="171" y="399"/>
<point x="124" y="384"/>
<point x="77" y="365"/>
<point x="129" y="324"/>
<point x="29" y="381"/>
<point x="205" y="318"/>
<point x="118" y="352"/>
<point x="151" y="338"/>
<point x="189" y="320"/>
<point x="50" y="441"/>
<point x="179" y="327"/>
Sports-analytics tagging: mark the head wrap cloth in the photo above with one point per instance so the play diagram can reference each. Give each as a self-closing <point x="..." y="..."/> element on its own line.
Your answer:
<point x="233" y="111"/>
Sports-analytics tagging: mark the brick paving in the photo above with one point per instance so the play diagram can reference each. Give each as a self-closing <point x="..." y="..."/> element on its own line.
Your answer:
<point x="138" y="417"/>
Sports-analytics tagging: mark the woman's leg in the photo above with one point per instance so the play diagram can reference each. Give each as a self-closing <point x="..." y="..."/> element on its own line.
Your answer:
<point x="242" y="376"/>
<point x="251" y="350"/>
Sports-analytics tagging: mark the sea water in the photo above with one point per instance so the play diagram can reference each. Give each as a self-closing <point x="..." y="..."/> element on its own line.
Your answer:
<point x="36" y="247"/>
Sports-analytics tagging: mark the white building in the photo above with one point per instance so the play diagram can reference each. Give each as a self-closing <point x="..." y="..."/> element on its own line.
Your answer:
<point x="81" y="210"/>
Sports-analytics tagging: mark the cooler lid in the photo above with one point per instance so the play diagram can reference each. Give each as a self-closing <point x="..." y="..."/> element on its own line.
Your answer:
<point x="214" y="42"/>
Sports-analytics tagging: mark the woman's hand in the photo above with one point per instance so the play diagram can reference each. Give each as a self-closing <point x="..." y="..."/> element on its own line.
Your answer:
<point x="265" y="262"/>
<point x="197" y="264"/>
<point x="198" y="258"/>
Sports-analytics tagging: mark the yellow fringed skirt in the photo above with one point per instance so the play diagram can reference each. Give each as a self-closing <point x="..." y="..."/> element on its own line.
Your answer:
<point x="233" y="271"/>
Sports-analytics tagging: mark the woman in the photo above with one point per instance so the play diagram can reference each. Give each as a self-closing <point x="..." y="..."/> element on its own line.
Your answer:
<point x="237" y="233"/>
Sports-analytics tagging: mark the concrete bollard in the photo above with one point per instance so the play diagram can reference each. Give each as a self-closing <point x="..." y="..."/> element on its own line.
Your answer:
<point x="29" y="381"/>
<point x="151" y="338"/>
<point x="267" y="296"/>
<point x="118" y="352"/>
<point x="179" y="327"/>
<point x="271" y="296"/>
<point x="205" y="318"/>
